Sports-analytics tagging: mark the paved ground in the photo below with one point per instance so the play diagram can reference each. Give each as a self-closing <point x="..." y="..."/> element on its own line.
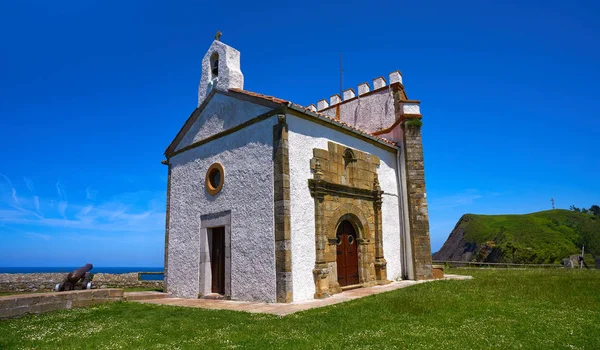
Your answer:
<point x="286" y="309"/>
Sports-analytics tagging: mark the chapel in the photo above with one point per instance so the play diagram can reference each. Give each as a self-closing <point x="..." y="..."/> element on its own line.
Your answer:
<point x="268" y="200"/>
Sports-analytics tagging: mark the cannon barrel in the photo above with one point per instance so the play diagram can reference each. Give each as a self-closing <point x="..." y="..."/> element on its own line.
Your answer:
<point x="76" y="275"/>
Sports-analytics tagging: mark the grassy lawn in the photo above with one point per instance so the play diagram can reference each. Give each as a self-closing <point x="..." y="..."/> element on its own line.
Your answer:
<point x="533" y="309"/>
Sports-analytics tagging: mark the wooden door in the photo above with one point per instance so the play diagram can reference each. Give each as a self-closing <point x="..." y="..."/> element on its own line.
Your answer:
<point x="347" y="254"/>
<point x="217" y="260"/>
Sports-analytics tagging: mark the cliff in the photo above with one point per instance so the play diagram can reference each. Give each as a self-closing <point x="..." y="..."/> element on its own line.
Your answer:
<point x="544" y="237"/>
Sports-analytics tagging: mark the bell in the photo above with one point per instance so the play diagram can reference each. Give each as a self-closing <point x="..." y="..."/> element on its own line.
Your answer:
<point x="215" y="69"/>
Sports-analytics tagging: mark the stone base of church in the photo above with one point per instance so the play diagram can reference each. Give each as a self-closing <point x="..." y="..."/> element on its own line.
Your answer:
<point x="325" y="289"/>
<point x="321" y="274"/>
<point x="380" y="269"/>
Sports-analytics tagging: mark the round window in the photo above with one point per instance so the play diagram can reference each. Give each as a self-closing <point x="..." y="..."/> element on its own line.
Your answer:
<point x="214" y="179"/>
<point x="338" y="239"/>
<point x="350" y="240"/>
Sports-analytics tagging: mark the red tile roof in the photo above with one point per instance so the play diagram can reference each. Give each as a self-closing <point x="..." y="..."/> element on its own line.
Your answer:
<point x="264" y="97"/>
<point x="308" y="111"/>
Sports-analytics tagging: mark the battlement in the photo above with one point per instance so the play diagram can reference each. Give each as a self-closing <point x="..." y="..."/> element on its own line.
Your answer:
<point x="376" y="107"/>
<point x="363" y="89"/>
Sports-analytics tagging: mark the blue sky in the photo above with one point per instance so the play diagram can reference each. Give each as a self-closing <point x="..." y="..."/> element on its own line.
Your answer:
<point x="92" y="92"/>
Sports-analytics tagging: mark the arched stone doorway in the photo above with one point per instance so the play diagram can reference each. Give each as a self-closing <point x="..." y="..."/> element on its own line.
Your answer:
<point x="345" y="186"/>
<point x="347" y="254"/>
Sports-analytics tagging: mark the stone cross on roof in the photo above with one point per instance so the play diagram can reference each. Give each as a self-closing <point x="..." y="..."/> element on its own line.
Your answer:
<point x="218" y="35"/>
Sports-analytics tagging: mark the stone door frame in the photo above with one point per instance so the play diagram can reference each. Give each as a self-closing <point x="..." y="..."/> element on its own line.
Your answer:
<point x="346" y="189"/>
<point x="207" y="222"/>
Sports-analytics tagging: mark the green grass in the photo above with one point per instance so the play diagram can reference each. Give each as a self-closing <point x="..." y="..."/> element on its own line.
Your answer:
<point x="542" y="237"/>
<point x="532" y="309"/>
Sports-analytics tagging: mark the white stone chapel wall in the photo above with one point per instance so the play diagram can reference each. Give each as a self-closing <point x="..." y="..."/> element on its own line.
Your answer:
<point x="303" y="136"/>
<point x="222" y="113"/>
<point x="246" y="156"/>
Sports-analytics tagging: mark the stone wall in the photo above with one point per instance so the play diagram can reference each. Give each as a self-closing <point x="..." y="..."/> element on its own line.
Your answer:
<point x="417" y="200"/>
<point x="45" y="282"/>
<point x="18" y="305"/>
<point x="29" y="282"/>
<point x="370" y="110"/>
<point x="123" y="280"/>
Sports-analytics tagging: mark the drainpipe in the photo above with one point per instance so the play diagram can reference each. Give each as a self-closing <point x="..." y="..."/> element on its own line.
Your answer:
<point x="167" y="222"/>
<point x="405" y="243"/>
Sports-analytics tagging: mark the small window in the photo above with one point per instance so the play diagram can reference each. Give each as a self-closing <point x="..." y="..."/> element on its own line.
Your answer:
<point x="214" y="65"/>
<point x="349" y="157"/>
<point x="214" y="179"/>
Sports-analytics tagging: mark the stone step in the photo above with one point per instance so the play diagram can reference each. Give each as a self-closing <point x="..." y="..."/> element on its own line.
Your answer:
<point x="214" y="296"/>
<point x="352" y="286"/>
<point x="149" y="295"/>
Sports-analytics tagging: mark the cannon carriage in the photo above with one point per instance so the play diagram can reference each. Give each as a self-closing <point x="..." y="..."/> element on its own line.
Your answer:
<point x="78" y="279"/>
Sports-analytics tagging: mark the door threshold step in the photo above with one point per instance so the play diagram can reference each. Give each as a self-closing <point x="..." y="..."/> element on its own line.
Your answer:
<point x="214" y="296"/>
<point x="352" y="286"/>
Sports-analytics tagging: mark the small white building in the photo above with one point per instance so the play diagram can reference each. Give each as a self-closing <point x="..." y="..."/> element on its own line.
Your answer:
<point x="268" y="200"/>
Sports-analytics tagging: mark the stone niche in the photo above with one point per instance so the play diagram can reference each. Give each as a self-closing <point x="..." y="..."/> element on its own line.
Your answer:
<point x="345" y="186"/>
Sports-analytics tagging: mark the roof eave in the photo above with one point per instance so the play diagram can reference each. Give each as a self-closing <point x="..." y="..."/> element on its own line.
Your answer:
<point x="188" y="123"/>
<point x="310" y="113"/>
<point x="231" y="93"/>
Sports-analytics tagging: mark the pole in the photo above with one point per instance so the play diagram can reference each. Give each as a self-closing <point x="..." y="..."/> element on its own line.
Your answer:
<point x="341" y="74"/>
<point x="337" y="107"/>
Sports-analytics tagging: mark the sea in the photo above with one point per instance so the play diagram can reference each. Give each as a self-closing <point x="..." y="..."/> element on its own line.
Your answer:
<point x="112" y="269"/>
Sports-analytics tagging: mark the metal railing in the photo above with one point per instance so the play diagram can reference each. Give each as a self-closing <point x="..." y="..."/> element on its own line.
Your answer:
<point x="140" y="274"/>
<point x="487" y="264"/>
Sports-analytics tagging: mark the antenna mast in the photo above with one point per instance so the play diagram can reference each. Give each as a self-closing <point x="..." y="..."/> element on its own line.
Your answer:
<point x="341" y="73"/>
<point x="337" y="108"/>
<point x="552" y="201"/>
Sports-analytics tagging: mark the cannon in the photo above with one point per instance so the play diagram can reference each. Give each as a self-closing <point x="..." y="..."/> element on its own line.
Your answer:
<point x="73" y="279"/>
